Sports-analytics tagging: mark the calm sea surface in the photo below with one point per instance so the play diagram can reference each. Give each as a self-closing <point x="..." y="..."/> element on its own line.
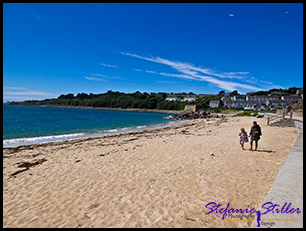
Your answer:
<point x="24" y="125"/>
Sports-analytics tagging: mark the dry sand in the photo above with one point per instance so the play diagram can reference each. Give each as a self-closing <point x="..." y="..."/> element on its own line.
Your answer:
<point x="157" y="178"/>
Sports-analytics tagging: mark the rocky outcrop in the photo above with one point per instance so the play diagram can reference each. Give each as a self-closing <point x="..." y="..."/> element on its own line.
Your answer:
<point x="195" y="115"/>
<point x="284" y="123"/>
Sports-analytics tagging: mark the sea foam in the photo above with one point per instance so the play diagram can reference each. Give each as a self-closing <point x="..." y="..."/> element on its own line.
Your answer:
<point x="7" y="143"/>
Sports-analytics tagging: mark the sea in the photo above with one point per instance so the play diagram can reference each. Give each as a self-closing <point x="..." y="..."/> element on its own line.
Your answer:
<point x="27" y="125"/>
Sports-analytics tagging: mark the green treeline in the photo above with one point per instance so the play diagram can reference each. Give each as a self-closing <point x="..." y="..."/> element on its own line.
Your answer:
<point x="120" y="100"/>
<point x="282" y="92"/>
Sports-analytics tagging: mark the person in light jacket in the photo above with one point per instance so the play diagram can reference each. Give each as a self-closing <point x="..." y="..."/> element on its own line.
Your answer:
<point x="243" y="137"/>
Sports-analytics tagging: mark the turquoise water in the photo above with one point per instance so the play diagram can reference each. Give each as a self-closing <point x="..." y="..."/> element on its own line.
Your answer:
<point x="24" y="125"/>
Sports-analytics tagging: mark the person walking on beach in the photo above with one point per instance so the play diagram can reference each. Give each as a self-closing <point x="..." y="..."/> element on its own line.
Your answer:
<point x="255" y="134"/>
<point x="243" y="137"/>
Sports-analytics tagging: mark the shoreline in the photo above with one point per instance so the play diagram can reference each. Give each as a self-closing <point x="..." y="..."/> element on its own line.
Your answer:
<point x="106" y="136"/>
<point x="96" y="135"/>
<point x="28" y="141"/>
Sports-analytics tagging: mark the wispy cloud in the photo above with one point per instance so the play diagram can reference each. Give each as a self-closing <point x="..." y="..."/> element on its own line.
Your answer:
<point x="28" y="92"/>
<point x="101" y="75"/>
<point x="269" y="85"/>
<point x="265" y="82"/>
<point x="138" y="70"/>
<point x="109" y="77"/>
<point x="154" y="72"/>
<point x="171" y="82"/>
<point x="266" y="85"/>
<point x="14" y="88"/>
<point x="251" y="80"/>
<point x="190" y="69"/>
<point x="93" y="77"/>
<point x="21" y="94"/>
<point x="34" y="15"/>
<point x="192" y="72"/>
<point x="37" y="16"/>
<point x="90" y="78"/>
<point x="107" y="65"/>
<point x="176" y="75"/>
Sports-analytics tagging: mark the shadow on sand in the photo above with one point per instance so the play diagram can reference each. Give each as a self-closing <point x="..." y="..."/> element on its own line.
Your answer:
<point x="268" y="151"/>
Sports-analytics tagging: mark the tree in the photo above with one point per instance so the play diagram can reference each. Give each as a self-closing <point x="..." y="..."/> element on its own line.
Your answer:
<point x="82" y="96"/>
<point x="152" y="102"/>
<point x="75" y="102"/>
<point x="138" y="95"/>
<point x="221" y="93"/>
<point x="234" y="93"/>
<point x="68" y="96"/>
<point x="163" y="95"/>
<point x="261" y="93"/>
<point x="292" y="90"/>
<point x="146" y="94"/>
<point x="61" y="96"/>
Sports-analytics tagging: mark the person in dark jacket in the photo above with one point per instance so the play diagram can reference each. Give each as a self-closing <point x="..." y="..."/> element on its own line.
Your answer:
<point x="255" y="134"/>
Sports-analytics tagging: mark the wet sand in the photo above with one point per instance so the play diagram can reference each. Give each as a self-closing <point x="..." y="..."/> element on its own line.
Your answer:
<point x="156" y="178"/>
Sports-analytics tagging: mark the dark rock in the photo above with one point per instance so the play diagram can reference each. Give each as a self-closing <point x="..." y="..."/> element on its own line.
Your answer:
<point x="194" y="115"/>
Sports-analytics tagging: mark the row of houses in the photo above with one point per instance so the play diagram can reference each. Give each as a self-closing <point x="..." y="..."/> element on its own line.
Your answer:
<point x="247" y="101"/>
<point x="256" y="102"/>
<point x="260" y="99"/>
<point x="189" y="99"/>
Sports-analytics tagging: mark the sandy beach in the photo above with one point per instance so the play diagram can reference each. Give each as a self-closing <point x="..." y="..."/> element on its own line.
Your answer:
<point x="161" y="177"/>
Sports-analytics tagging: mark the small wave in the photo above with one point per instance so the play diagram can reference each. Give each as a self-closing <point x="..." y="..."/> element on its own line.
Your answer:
<point x="170" y="117"/>
<point x="50" y="139"/>
<point x="39" y="140"/>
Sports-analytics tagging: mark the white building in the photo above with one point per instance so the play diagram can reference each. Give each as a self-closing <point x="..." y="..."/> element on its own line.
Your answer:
<point x="260" y="98"/>
<point x="239" y="103"/>
<point x="290" y="98"/>
<point x="257" y="107"/>
<point x="214" y="103"/>
<point x="299" y="91"/>
<point x="226" y="98"/>
<point x="277" y="103"/>
<point x="172" y="99"/>
<point x="189" y="99"/>
<point x="238" y="98"/>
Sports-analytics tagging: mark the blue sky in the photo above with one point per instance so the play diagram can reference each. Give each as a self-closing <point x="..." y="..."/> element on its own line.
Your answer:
<point x="54" y="49"/>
